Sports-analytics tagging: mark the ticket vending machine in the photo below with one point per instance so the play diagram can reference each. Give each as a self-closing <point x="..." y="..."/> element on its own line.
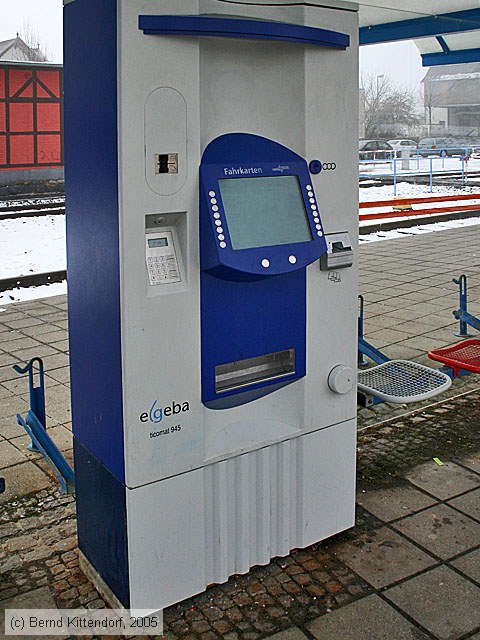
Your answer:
<point x="211" y="228"/>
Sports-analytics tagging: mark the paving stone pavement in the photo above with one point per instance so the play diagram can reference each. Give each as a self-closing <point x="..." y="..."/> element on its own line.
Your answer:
<point x="410" y="569"/>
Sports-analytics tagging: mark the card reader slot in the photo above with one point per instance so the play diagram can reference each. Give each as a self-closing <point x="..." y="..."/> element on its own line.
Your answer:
<point x="243" y="373"/>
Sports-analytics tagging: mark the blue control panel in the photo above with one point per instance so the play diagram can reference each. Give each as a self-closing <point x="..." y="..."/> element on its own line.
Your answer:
<point x="260" y="227"/>
<point x="258" y="208"/>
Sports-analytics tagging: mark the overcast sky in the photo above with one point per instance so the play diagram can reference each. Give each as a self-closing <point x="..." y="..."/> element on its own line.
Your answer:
<point x="43" y="16"/>
<point x="400" y="61"/>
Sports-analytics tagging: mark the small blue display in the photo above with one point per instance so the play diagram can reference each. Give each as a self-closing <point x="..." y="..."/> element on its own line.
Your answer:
<point x="263" y="212"/>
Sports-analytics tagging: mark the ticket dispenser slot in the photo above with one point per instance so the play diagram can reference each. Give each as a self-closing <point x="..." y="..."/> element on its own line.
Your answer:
<point x="260" y="227"/>
<point x="339" y="252"/>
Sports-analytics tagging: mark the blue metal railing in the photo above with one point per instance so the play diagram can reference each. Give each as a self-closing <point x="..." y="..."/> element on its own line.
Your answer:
<point x="35" y="425"/>
<point x="461" y="314"/>
<point x="418" y="158"/>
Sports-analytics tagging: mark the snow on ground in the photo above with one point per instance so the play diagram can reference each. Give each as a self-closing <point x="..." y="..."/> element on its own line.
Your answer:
<point x="32" y="293"/>
<point x="37" y="245"/>
<point x="32" y="245"/>
<point x="407" y="190"/>
<point x="420" y="228"/>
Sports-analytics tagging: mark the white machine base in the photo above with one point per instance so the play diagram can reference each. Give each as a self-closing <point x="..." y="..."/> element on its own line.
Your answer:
<point x="220" y="520"/>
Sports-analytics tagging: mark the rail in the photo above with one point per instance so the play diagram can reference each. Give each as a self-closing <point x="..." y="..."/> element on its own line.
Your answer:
<point x="32" y="280"/>
<point x="28" y="209"/>
<point x="407" y="204"/>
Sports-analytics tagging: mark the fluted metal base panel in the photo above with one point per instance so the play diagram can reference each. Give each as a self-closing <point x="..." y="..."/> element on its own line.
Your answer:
<point x="201" y="527"/>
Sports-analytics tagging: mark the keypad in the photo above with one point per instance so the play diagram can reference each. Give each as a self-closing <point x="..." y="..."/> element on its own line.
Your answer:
<point x="162" y="269"/>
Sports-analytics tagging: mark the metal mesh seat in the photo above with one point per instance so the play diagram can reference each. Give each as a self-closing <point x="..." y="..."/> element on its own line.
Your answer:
<point x="402" y="381"/>
<point x="464" y="355"/>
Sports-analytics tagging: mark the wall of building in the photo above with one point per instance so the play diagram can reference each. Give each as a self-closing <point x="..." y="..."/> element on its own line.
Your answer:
<point x="31" y="116"/>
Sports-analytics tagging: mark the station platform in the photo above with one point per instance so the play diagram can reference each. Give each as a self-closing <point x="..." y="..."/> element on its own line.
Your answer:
<point x="410" y="569"/>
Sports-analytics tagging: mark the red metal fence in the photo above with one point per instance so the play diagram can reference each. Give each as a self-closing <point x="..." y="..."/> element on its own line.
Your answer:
<point x="31" y="116"/>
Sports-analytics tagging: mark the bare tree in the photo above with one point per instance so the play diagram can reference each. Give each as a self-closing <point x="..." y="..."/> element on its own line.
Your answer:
<point x="37" y="47"/>
<point x="431" y="97"/>
<point x="389" y="108"/>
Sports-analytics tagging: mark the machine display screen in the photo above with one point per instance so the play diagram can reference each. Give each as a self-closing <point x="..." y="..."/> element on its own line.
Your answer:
<point x="263" y="212"/>
<point x="157" y="242"/>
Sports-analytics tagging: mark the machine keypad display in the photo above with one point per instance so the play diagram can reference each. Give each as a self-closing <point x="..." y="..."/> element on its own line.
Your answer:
<point x="162" y="264"/>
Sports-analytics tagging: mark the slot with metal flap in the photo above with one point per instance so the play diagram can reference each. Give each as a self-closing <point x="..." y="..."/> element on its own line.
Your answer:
<point x="243" y="373"/>
<point x="339" y="252"/>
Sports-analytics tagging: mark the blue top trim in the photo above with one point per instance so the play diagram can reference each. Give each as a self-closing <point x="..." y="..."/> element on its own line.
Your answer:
<point x="455" y="22"/>
<point x="463" y="56"/>
<point x="239" y="28"/>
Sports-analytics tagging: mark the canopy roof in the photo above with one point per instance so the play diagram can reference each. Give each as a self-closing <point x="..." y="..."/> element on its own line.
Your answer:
<point x="443" y="36"/>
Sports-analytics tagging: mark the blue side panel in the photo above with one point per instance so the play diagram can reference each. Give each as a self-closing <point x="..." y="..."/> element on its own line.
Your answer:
<point x="92" y="228"/>
<point x="241" y="28"/>
<point x="102" y="521"/>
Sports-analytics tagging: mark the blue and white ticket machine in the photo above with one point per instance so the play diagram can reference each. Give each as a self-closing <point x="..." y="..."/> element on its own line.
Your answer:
<point x="211" y="176"/>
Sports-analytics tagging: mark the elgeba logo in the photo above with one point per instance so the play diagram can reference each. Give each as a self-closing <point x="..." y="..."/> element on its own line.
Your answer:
<point x="157" y="413"/>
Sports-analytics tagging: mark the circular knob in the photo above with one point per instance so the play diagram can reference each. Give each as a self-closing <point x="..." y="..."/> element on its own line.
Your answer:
<point x="341" y="379"/>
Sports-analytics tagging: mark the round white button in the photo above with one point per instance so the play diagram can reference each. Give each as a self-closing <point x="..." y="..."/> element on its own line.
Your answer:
<point x="318" y="226"/>
<point x="219" y="230"/>
<point x="341" y="379"/>
<point x="215" y="207"/>
<point x="309" y="187"/>
<point x="314" y="207"/>
<point x="310" y="194"/>
<point x="292" y="259"/>
<point x="317" y="220"/>
<point x="312" y="200"/>
<point x="212" y="194"/>
<point x="265" y="263"/>
<point x="223" y="245"/>
<point x="218" y="222"/>
<point x="221" y="236"/>
<point x="320" y="233"/>
<point x="216" y="215"/>
<point x="213" y="200"/>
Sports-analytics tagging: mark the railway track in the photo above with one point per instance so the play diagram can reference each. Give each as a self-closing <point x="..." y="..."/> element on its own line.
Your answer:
<point x="31" y="208"/>
<point x="32" y="280"/>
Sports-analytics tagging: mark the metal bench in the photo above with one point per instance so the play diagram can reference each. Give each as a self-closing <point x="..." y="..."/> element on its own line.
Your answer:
<point x="395" y="381"/>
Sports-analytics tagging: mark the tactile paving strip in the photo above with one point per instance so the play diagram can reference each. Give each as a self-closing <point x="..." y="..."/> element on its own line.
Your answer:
<point x="402" y="381"/>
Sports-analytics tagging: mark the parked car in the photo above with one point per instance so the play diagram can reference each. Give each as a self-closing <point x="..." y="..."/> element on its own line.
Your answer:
<point x="475" y="152"/>
<point x="440" y="147"/>
<point x="400" y="145"/>
<point x="374" y="150"/>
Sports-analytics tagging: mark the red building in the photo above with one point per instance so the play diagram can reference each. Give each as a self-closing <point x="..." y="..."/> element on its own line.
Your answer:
<point x="31" y="116"/>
